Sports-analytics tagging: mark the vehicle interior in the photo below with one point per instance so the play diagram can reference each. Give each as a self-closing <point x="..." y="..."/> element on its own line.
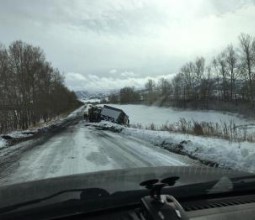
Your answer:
<point x="159" y="200"/>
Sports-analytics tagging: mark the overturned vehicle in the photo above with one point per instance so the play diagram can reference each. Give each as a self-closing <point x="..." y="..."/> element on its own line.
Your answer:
<point x="115" y="115"/>
<point x="94" y="114"/>
<point x="108" y="113"/>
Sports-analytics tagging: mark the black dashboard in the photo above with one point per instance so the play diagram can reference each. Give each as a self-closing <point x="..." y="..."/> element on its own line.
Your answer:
<point x="233" y="207"/>
<point x="158" y="201"/>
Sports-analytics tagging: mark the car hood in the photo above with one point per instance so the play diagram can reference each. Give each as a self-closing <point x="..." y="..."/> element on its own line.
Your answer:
<point x="111" y="181"/>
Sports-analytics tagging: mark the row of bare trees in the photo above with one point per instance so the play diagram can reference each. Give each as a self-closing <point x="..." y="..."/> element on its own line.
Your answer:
<point x="125" y="95"/>
<point x="228" y="78"/>
<point x="31" y="90"/>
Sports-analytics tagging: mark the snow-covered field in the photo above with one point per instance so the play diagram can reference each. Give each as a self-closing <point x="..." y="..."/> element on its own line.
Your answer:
<point x="145" y="115"/>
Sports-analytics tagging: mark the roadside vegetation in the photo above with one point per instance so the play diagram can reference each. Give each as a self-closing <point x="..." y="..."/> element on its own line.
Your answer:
<point x="31" y="89"/>
<point x="229" y="131"/>
<point x="225" y="83"/>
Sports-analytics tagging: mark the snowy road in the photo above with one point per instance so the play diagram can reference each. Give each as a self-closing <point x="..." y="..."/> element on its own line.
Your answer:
<point x="81" y="149"/>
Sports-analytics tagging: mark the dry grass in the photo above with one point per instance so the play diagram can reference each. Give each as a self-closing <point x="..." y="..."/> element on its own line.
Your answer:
<point x="229" y="131"/>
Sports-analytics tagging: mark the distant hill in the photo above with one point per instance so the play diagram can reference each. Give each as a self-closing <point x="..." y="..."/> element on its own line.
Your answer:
<point x="82" y="94"/>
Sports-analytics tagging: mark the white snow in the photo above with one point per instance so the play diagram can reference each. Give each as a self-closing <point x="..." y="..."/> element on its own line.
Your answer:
<point x="235" y="155"/>
<point x="43" y="126"/>
<point x="64" y="154"/>
<point x="77" y="112"/>
<point x="2" y="143"/>
<point x="108" y="124"/>
<point x="82" y="149"/>
<point x="86" y="109"/>
<point x="94" y="100"/>
<point x="20" y="134"/>
<point x="238" y="156"/>
<point x="146" y="115"/>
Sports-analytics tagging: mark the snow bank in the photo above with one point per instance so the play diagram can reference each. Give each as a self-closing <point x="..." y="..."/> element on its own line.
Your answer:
<point x="238" y="156"/>
<point x="78" y="112"/>
<point x="21" y="134"/>
<point x="53" y="125"/>
<point x="95" y="100"/>
<point x="2" y="143"/>
<point x="212" y="151"/>
<point x="106" y="125"/>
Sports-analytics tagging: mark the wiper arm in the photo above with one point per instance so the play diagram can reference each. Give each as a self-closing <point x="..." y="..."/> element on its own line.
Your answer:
<point x="90" y="193"/>
<point x="243" y="183"/>
<point x="242" y="179"/>
<point x="226" y="184"/>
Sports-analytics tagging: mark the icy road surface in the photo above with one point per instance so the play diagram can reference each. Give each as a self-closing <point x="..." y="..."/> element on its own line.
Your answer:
<point x="81" y="149"/>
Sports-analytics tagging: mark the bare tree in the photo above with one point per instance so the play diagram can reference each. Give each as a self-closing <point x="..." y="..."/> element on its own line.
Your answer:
<point x="232" y="66"/>
<point x="247" y="44"/>
<point x="206" y="87"/>
<point x="30" y="88"/>
<point x="179" y="90"/>
<point x="220" y="66"/>
<point x="150" y="86"/>
<point x="188" y="79"/>
<point x="199" y="69"/>
<point x="164" y="86"/>
<point x="128" y="95"/>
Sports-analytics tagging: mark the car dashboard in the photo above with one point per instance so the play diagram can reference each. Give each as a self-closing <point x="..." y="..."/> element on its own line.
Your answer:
<point x="238" y="207"/>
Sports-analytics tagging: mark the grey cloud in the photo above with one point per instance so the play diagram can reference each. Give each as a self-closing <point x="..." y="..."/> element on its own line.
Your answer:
<point x="125" y="21"/>
<point x="126" y="17"/>
<point x="113" y="71"/>
<point x="121" y="17"/>
<point x="222" y="7"/>
<point x="122" y="41"/>
<point x="78" y="81"/>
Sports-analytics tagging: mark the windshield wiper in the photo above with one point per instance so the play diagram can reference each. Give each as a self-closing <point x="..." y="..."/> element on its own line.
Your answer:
<point x="242" y="178"/>
<point x="89" y="193"/>
<point x="243" y="182"/>
<point x="227" y="184"/>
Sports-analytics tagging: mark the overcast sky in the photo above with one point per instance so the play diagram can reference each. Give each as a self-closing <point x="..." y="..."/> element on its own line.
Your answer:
<point x="108" y="44"/>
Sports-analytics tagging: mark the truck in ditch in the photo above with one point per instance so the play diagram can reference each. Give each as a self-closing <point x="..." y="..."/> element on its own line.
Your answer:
<point x="107" y="113"/>
<point x="114" y="115"/>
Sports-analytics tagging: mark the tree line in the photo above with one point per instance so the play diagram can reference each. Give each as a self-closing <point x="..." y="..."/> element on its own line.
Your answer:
<point x="31" y="89"/>
<point x="227" y="79"/>
<point x="126" y="95"/>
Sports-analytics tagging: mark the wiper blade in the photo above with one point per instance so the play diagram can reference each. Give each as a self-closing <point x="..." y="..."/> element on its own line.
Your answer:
<point x="89" y="193"/>
<point x="243" y="183"/>
<point x="226" y="184"/>
<point x="242" y="179"/>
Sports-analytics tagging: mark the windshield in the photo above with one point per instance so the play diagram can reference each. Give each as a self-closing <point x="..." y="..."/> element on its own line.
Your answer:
<point x="88" y="86"/>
